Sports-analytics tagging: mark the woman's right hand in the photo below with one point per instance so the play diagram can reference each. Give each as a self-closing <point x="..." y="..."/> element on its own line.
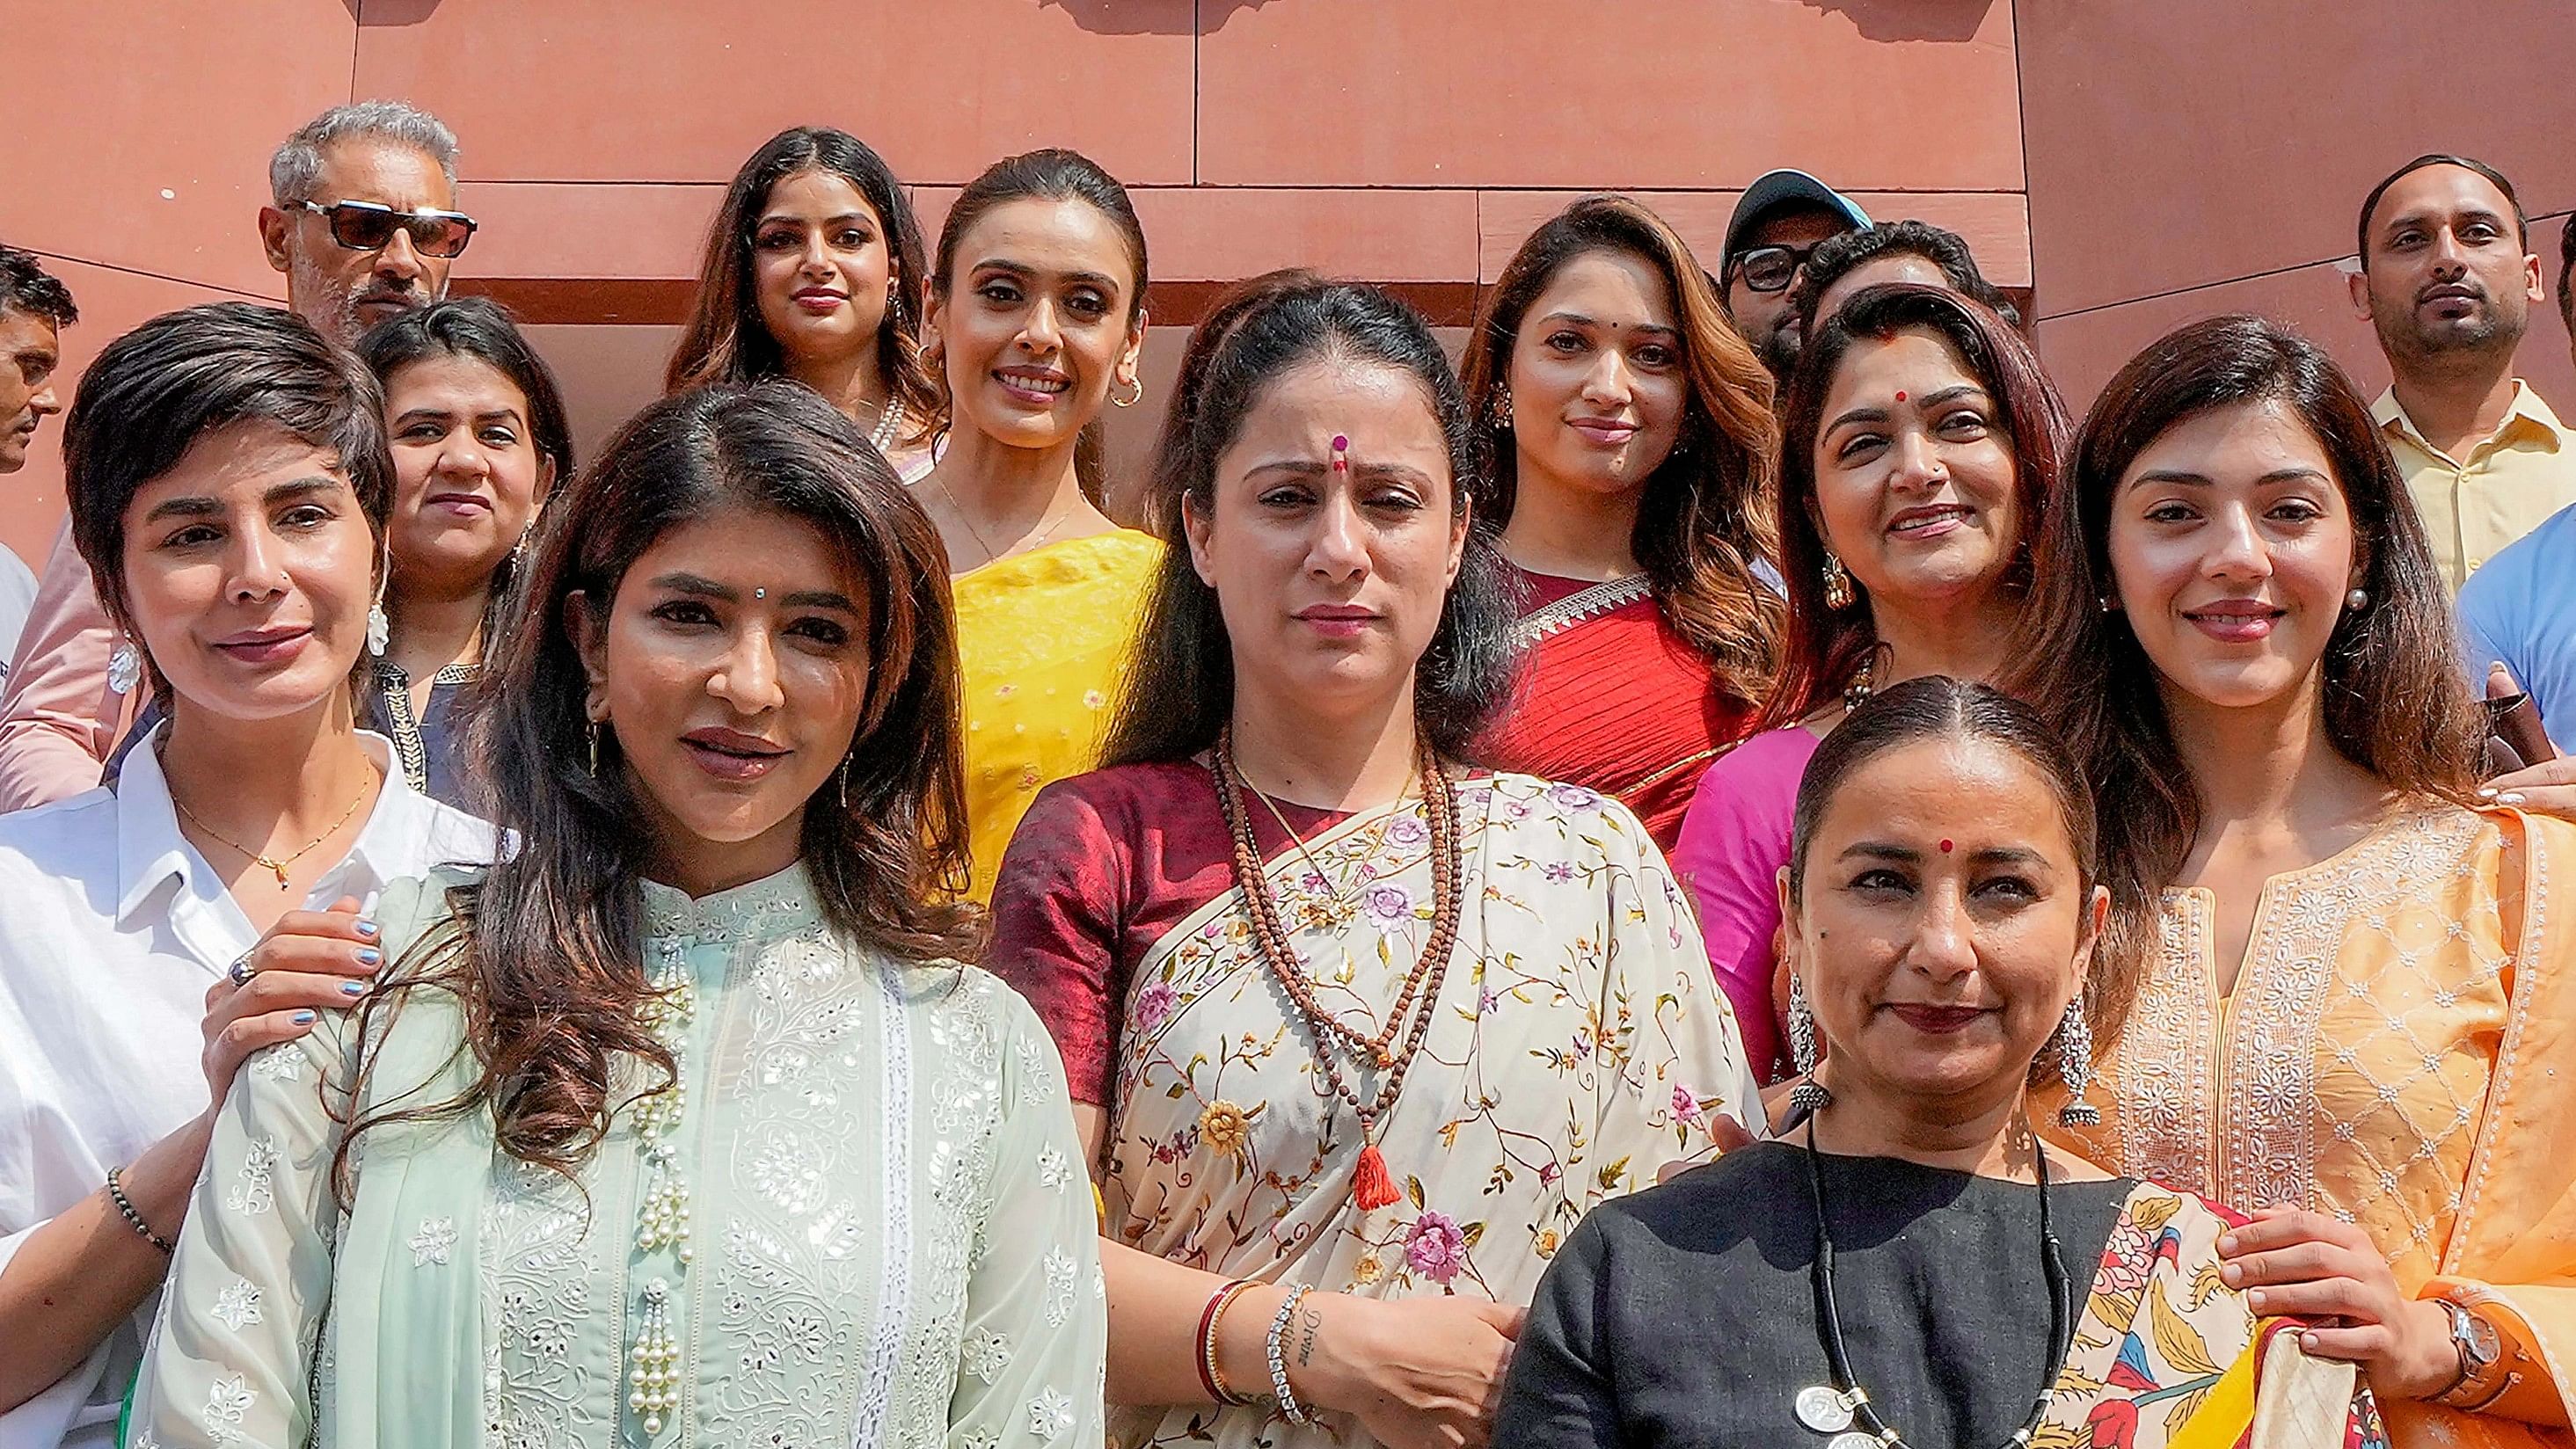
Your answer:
<point x="309" y="962"/>
<point x="1418" y="1373"/>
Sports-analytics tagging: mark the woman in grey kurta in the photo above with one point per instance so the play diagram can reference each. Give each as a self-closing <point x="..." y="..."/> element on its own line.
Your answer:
<point x="824" y="1186"/>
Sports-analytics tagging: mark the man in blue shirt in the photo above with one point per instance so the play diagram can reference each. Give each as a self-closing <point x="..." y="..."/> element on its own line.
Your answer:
<point x="2520" y="610"/>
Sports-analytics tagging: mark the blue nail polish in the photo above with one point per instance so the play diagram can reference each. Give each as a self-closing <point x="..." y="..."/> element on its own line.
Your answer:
<point x="369" y="955"/>
<point x="353" y="988"/>
<point x="366" y="928"/>
<point x="305" y="1018"/>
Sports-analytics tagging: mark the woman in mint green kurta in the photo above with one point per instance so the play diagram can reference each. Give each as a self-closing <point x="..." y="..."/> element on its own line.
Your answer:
<point x="746" y="1162"/>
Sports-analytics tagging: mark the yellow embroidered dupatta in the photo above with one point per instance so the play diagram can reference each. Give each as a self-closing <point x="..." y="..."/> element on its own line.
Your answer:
<point x="1579" y="1044"/>
<point x="2397" y="1051"/>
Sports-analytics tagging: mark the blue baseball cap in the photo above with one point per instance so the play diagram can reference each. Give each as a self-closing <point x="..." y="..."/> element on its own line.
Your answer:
<point x="1786" y="187"/>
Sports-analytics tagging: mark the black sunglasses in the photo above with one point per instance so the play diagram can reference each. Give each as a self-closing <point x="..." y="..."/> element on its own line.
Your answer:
<point x="366" y="226"/>
<point x="1771" y="269"/>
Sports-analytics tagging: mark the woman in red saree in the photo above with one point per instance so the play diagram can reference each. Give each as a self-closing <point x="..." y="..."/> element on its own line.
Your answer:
<point x="1632" y="454"/>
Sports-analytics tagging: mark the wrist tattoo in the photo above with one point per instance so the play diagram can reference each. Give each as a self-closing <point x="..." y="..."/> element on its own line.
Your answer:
<point x="1308" y="1322"/>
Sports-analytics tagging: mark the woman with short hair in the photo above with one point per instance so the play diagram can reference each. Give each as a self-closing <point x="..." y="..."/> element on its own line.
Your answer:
<point x="229" y="486"/>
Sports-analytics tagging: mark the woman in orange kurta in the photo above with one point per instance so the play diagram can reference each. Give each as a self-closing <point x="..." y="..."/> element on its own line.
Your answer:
<point x="2358" y="983"/>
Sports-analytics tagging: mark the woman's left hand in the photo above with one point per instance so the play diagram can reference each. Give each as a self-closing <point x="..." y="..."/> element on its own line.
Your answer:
<point x="2300" y="1264"/>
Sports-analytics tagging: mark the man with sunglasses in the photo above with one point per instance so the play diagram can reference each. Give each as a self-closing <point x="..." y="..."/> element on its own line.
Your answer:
<point x="363" y="220"/>
<point x="1779" y="220"/>
<point x="364" y="225"/>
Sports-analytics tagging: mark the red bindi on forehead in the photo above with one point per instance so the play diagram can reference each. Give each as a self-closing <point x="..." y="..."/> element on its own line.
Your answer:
<point x="1946" y="847"/>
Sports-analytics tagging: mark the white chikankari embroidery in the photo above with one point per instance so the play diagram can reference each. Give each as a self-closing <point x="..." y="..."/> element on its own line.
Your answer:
<point x="237" y="1305"/>
<point x="283" y="1062"/>
<point x="1052" y="1169"/>
<point x="255" y="1193"/>
<point x="1059" y="1289"/>
<point x="227" y="1399"/>
<point x="1051" y="1415"/>
<point x="985" y="1354"/>
<point x="431" y="1242"/>
<point x="980" y="1439"/>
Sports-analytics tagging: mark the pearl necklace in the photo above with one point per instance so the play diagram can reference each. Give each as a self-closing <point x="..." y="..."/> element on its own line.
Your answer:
<point x="662" y="1214"/>
<point x="889" y="424"/>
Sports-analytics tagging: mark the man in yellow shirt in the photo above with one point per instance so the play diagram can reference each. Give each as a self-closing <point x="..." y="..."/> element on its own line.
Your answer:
<point x="2447" y="279"/>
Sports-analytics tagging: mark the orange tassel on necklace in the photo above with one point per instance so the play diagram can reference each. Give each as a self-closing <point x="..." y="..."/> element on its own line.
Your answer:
<point x="1373" y="1188"/>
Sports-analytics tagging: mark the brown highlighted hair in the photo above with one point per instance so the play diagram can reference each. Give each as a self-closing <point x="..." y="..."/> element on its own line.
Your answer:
<point x="726" y="340"/>
<point x="545" y="951"/>
<point x="2393" y="699"/>
<point x="1823" y="647"/>
<point x="1705" y="519"/>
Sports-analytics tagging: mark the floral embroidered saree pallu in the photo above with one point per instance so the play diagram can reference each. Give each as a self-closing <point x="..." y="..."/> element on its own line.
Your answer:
<point x="1577" y="1046"/>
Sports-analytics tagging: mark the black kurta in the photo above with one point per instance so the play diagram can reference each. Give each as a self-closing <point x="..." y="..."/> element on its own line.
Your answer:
<point x="1684" y="1315"/>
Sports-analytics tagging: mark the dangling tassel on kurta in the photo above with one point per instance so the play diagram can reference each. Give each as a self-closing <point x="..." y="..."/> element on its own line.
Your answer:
<point x="1373" y="1188"/>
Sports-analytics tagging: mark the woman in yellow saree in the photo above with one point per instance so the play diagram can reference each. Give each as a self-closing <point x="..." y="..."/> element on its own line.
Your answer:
<point x="2351" y="1000"/>
<point x="1908" y="1263"/>
<point x="1036" y="319"/>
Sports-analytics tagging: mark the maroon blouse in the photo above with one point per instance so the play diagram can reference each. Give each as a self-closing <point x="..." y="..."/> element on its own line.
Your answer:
<point x="1102" y="865"/>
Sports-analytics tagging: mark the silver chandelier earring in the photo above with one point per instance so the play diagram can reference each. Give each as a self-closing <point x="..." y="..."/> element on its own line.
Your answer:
<point x="2075" y="1067"/>
<point x="124" y="667"/>
<point x="1809" y="1095"/>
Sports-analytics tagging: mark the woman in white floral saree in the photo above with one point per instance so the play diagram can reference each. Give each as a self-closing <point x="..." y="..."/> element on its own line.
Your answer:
<point x="675" y="1127"/>
<point x="1356" y="1032"/>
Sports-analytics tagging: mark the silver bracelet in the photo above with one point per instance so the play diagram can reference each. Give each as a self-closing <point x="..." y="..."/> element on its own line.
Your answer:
<point x="1288" y="1405"/>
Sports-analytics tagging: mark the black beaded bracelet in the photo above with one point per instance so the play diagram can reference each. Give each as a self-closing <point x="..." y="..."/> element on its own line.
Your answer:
<point x="133" y="1219"/>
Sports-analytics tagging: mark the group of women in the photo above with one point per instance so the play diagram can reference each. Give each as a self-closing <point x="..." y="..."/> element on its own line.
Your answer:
<point x="837" y="921"/>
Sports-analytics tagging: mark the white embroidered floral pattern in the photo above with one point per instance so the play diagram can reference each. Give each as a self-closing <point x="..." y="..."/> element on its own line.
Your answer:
<point x="227" y="1399"/>
<point x="283" y="1062"/>
<point x="1053" y="1169"/>
<point x="256" y="1193"/>
<point x="432" y="1240"/>
<point x="1050" y="1415"/>
<point x="985" y="1354"/>
<point x="236" y="1305"/>
<point x="1059" y="1289"/>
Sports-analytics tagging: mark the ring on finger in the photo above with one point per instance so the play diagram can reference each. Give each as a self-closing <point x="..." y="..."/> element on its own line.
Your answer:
<point x="241" y="970"/>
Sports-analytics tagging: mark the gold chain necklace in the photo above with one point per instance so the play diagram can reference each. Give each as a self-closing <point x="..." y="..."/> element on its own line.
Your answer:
<point x="278" y="864"/>
<point x="992" y="554"/>
<point x="1323" y="882"/>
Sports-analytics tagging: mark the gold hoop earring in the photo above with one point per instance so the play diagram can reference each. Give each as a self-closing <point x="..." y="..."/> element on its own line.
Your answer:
<point x="1132" y="398"/>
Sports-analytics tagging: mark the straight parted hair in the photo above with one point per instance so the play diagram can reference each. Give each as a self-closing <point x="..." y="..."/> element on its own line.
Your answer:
<point x="1052" y="173"/>
<point x="1824" y="648"/>
<point x="2393" y="699"/>
<point x="1180" y="689"/>
<point x="545" y="951"/>
<point x="1705" y="518"/>
<point x="1937" y="707"/>
<point x="726" y="340"/>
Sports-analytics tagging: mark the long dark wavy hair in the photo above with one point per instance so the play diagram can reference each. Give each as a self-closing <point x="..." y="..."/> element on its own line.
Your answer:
<point x="1705" y="517"/>
<point x="545" y="951"/>
<point x="1053" y="173"/>
<point x="480" y="328"/>
<point x="2393" y="699"/>
<point x="1825" y="647"/>
<point x="727" y="342"/>
<point x="1180" y="691"/>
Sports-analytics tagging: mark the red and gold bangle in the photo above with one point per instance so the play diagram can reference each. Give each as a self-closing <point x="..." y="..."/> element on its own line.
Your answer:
<point x="1209" y="1318"/>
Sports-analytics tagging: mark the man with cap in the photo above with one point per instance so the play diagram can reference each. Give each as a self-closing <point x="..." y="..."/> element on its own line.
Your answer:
<point x="1778" y="221"/>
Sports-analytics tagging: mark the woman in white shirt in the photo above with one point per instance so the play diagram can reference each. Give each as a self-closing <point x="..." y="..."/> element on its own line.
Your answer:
<point x="229" y="478"/>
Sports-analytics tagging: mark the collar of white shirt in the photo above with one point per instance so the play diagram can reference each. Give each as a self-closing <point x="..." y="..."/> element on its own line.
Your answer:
<point x="403" y="836"/>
